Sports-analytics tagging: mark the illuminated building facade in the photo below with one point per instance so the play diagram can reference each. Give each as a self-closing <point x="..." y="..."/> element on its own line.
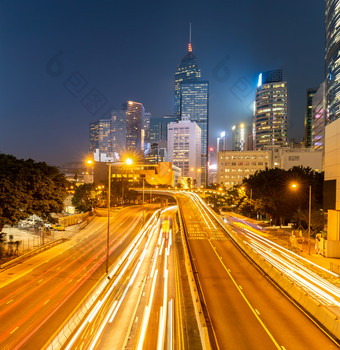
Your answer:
<point x="270" y="115"/>
<point x="134" y="126"/>
<point x="191" y="100"/>
<point x="184" y="148"/>
<point x="332" y="58"/>
<point x="319" y="118"/>
<point x="240" y="137"/>
<point x="118" y="131"/>
<point x="159" y="128"/>
<point x="187" y="71"/>
<point x="222" y="142"/>
<point x="194" y="106"/>
<point x="308" y="116"/>
<point x="100" y="136"/>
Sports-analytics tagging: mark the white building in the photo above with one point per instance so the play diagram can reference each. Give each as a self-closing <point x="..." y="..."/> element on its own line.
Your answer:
<point x="184" y="148"/>
<point x="233" y="166"/>
<point x="287" y="157"/>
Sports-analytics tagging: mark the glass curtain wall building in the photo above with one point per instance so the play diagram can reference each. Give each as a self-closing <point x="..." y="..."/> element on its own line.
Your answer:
<point x="159" y="128"/>
<point x="191" y="101"/>
<point x="270" y="115"/>
<point x="100" y="136"/>
<point x="332" y="59"/>
<point x="134" y="126"/>
<point x="194" y="106"/>
<point x="187" y="71"/>
<point x="308" y="116"/>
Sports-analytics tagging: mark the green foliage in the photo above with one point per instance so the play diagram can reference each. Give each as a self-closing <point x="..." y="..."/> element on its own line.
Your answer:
<point x="273" y="195"/>
<point x="27" y="187"/>
<point x="85" y="197"/>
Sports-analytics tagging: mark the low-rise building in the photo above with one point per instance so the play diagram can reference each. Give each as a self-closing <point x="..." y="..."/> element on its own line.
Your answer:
<point x="233" y="166"/>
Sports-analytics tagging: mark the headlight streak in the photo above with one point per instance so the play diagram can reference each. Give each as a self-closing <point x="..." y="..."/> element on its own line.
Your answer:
<point x="170" y="332"/>
<point x="147" y="313"/>
<point x="133" y="246"/>
<point x="298" y="275"/>
<point x="292" y="266"/>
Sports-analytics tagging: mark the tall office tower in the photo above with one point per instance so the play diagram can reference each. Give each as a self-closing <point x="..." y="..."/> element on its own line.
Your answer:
<point x="222" y="142"/>
<point x="308" y="116"/>
<point x="187" y="71"/>
<point x="184" y="148"/>
<point x="194" y="105"/>
<point x="191" y="99"/>
<point x="270" y="115"/>
<point x="134" y="126"/>
<point x="146" y="127"/>
<point x="159" y="128"/>
<point x="319" y="118"/>
<point x="100" y="136"/>
<point x="118" y="131"/>
<point x="240" y="137"/>
<point x="332" y="59"/>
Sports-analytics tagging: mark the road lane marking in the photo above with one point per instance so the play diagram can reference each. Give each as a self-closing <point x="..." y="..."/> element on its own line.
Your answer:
<point x="14" y="330"/>
<point x="9" y="301"/>
<point x="248" y="303"/>
<point x="46" y="301"/>
<point x="40" y="280"/>
<point x="257" y="311"/>
<point x="240" y="287"/>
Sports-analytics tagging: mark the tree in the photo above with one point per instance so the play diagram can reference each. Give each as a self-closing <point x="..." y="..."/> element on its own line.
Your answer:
<point x="27" y="187"/>
<point x="85" y="197"/>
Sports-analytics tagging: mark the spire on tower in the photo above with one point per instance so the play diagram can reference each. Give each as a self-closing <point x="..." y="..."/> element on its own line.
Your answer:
<point x="189" y="45"/>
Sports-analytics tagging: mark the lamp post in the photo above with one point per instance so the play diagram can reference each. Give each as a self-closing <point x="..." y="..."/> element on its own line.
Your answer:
<point x="108" y="221"/>
<point x="294" y="186"/>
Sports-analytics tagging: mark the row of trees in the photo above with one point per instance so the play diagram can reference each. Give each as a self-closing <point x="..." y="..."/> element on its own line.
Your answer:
<point x="28" y="187"/>
<point x="269" y="193"/>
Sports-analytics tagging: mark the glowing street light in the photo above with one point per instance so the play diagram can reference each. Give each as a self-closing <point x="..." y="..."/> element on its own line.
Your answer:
<point x="295" y="186"/>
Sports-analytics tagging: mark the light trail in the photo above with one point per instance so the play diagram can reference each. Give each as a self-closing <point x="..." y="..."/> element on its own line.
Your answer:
<point x="293" y="267"/>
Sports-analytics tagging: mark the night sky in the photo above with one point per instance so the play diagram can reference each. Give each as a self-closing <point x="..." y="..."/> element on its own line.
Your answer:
<point x="58" y="56"/>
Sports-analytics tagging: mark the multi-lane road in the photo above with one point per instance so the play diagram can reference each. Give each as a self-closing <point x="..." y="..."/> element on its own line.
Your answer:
<point x="246" y="310"/>
<point x="38" y="295"/>
<point x="145" y="302"/>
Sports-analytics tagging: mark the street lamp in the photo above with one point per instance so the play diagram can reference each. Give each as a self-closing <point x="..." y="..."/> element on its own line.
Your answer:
<point x="295" y="186"/>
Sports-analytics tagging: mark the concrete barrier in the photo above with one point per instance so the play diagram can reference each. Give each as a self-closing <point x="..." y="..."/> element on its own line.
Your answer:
<point x="194" y="289"/>
<point x="320" y="313"/>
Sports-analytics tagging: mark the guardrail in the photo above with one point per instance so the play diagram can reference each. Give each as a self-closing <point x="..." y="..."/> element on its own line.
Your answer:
<point x="32" y="252"/>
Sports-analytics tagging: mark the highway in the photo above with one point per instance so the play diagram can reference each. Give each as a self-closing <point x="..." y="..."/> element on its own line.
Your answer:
<point x="139" y="310"/>
<point x="246" y="310"/>
<point x="38" y="295"/>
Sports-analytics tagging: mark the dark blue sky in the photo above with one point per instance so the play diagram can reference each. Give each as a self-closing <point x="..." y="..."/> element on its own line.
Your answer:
<point x="57" y="56"/>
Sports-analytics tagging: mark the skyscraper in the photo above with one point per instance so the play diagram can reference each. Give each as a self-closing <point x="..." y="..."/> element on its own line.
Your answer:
<point x="318" y="118"/>
<point x="187" y="71"/>
<point x="240" y="137"/>
<point x="118" y="131"/>
<point x="222" y="144"/>
<point x="270" y="115"/>
<point x="134" y="126"/>
<point x="100" y="136"/>
<point x="308" y="116"/>
<point x="159" y="128"/>
<point x="332" y="59"/>
<point x="184" y="148"/>
<point x="191" y="100"/>
<point x="194" y="106"/>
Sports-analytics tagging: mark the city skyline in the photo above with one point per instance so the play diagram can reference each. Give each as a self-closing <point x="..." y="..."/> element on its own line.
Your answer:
<point x="41" y="105"/>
